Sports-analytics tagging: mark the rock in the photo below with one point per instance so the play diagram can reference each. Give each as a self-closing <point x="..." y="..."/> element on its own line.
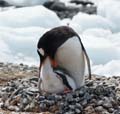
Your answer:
<point x="89" y="110"/>
<point x="100" y="102"/>
<point x="78" y="106"/>
<point x="99" y="96"/>
<point x="111" y="110"/>
<point x="1" y="104"/>
<point x="99" y="109"/>
<point x="117" y="111"/>
<point x="13" y="108"/>
<point x="107" y="105"/>
<point x="84" y="102"/>
<point x="89" y="83"/>
<point x="43" y="107"/>
<point x="3" y="3"/>
<point x="58" y="6"/>
<point x="82" y="2"/>
<point x="105" y="112"/>
<point x="72" y="107"/>
<point x="77" y="111"/>
<point x="1" y="63"/>
<point x="69" y="11"/>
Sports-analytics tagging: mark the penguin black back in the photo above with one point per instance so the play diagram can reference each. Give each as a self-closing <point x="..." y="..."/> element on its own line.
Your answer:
<point x="54" y="38"/>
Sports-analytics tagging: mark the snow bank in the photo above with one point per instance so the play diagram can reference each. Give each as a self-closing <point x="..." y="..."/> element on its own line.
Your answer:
<point x="29" y="16"/>
<point x="25" y="2"/>
<point x="110" y="10"/>
<point x="101" y="49"/>
<point x="19" y="45"/>
<point x="112" y="68"/>
<point x="86" y="21"/>
<point x="98" y="32"/>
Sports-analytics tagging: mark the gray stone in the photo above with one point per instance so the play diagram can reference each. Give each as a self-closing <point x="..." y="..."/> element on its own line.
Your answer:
<point x="107" y="105"/>
<point x="77" y="111"/>
<point x="111" y="110"/>
<point x="100" y="102"/>
<point x="84" y="102"/>
<point x="13" y="108"/>
<point x="25" y="101"/>
<point x="99" y="109"/>
<point x="72" y="107"/>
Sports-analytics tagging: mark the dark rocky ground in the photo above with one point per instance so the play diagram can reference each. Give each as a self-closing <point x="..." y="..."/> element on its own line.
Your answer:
<point x="19" y="93"/>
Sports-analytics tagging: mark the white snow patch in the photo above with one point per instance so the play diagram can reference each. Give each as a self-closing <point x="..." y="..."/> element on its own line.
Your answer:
<point x="25" y="2"/>
<point x="110" y="10"/>
<point x="20" y="45"/>
<point x="101" y="49"/>
<point x="86" y="21"/>
<point x="98" y="32"/>
<point x="29" y="16"/>
<point x="112" y="68"/>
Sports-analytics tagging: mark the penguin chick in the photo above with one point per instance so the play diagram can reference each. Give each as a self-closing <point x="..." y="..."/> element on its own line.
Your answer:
<point x="55" y="80"/>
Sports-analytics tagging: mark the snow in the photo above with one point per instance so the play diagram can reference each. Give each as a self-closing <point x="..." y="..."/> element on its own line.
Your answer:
<point x="112" y="68"/>
<point x="110" y="10"/>
<point x="25" y="2"/>
<point x="20" y="30"/>
<point x="23" y="49"/>
<point x="86" y="21"/>
<point x="97" y="32"/>
<point x="29" y="16"/>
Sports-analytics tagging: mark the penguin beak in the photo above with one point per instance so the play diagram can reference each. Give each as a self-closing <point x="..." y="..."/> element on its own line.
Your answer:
<point x="53" y="63"/>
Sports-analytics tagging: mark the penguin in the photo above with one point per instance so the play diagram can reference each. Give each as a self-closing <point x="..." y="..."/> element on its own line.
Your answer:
<point x="65" y="49"/>
<point x="55" y="80"/>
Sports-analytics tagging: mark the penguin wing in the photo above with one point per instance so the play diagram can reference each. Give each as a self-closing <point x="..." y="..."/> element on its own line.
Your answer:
<point x="86" y="55"/>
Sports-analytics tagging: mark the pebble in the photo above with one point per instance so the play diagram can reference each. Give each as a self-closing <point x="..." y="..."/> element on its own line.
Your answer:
<point x="99" y="95"/>
<point x="99" y="109"/>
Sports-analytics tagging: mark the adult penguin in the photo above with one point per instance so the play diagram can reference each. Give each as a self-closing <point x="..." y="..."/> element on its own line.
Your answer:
<point x="64" y="48"/>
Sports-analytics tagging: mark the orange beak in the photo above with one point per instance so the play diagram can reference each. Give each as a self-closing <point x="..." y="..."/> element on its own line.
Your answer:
<point x="54" y="63"/>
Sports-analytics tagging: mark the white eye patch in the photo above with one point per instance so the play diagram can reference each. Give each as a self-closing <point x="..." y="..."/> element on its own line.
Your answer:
<point x="41" y="51"/>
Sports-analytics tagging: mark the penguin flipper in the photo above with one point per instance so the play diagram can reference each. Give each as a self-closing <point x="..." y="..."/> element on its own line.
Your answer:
<point x="87" y="58"/>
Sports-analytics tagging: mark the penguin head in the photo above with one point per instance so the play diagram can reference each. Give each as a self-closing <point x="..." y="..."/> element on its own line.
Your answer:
<point x="52" y="40"/>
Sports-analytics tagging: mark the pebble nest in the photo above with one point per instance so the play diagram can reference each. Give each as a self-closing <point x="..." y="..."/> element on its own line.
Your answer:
<point x="101" y="95"/>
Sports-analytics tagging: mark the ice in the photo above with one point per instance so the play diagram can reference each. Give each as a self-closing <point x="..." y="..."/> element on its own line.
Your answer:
<point x="100" y="48"/>
<point x="25" y="2"/>
<point x="97" y="32"/>
<point x="110" y="10"/>
<point x="112" y="68"/>
<point x="29" y="16"/>
<point x="86" y="21"/>
<point x="20" y="45"/>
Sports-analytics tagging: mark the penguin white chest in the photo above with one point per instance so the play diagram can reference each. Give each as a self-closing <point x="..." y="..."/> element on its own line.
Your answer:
<point x="70" y="56"/>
